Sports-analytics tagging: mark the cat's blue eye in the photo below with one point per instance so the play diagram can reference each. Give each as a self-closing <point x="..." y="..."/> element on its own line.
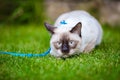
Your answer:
<point x="71" y="42"/>
<point x="59" y="43"/>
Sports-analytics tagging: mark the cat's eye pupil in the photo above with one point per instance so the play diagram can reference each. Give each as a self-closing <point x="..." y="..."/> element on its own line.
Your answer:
<point x="71" y="42"/>
<point x="59" y="43"/>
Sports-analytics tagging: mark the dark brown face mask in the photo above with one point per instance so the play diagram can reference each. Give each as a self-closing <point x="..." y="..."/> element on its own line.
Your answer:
<point x="65" y="47"/>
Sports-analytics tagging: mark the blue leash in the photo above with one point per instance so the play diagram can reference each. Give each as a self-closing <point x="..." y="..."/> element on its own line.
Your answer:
<point x="27" y="55"/>
<point x="63" y="22"/>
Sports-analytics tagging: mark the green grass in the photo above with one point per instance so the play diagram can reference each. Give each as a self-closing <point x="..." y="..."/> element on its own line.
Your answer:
<point x="102" y="64"/>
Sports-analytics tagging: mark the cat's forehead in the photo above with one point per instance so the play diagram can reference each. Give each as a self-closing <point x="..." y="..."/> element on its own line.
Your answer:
<point x="69" y="36"/>
<point x="65" y="37"/>
<point x="60" y="36"/>
<point x="62" y="29"/>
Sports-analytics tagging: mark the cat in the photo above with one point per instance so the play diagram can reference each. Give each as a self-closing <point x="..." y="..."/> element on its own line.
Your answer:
<point x="73" y="33"/>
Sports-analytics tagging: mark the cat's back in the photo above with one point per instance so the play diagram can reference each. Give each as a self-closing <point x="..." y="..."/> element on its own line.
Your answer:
<point x="72" y="17"/>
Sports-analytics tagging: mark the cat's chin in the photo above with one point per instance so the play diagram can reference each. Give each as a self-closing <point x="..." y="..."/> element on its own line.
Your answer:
<point x="64" y="56"/>
<point x="70" y="55"/>
<point x="61" y="56"/>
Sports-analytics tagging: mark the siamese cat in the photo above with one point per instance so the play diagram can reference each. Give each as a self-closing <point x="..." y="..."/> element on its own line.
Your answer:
<point x="73" y="33"/>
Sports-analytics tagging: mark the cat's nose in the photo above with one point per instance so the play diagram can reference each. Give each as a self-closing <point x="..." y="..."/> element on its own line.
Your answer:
<point x="65" y="50"/>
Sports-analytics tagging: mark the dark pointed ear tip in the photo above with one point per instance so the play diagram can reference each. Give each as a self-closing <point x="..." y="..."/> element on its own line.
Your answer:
<point x="45" y="23"/>
<point x="79" y="23"/>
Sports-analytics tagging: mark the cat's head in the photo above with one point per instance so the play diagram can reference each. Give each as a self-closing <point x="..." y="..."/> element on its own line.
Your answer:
<point x="64" y="42"/>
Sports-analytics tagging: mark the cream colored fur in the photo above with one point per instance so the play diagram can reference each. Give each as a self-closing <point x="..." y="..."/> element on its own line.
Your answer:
<point x="91" y="32"/>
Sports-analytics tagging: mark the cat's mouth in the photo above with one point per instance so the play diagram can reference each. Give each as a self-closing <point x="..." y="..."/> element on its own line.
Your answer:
<point x="69" y="56"/>
<point x="65" y="56"/>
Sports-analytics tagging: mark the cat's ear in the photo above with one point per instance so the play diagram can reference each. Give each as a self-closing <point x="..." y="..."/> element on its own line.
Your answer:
<point x="77" y="29"/>
<point x="50" y="28"/>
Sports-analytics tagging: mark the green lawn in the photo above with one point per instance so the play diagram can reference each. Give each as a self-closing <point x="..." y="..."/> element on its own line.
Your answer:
<point x="102" y="64"/>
